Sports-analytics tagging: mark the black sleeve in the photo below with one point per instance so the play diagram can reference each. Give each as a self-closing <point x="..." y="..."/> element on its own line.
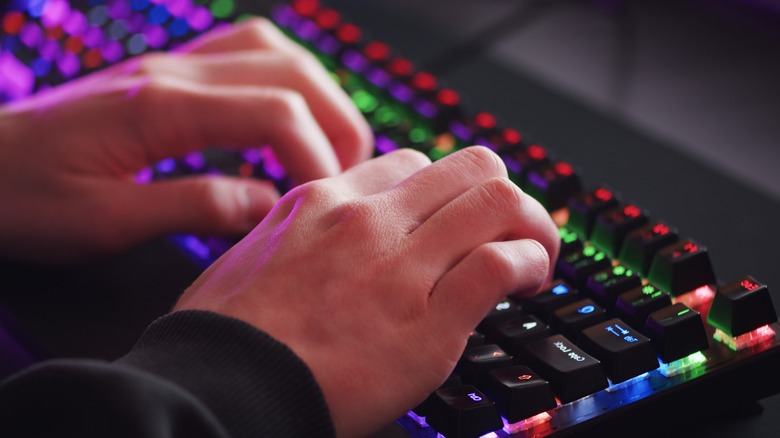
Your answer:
<point x="192" y="374"/>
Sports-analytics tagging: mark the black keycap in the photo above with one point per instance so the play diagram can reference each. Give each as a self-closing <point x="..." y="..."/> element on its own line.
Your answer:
<point x="641" y="244"/>
<point x="521" y="159"/>
<point x="519" y="393"/>
<point x="553" y="184"/>
<point x="555" y="296"/>
<point x="423" y="408"/>
<point x="605" y="286"/>
<point x="476" y="362"/>
<point x="623" y="351"/>
<point x="584" y="209"/>
<point x="572" y="373"/>
<point x="677" y="331"/>
<point x="575" y="267"/>
<point x="475" y="338"/>
<point x="571" y="319"/>
<point x="612" y="226"/>
<point x="741" y="306"/>
<point x="462" y="412"/>
<point x="681" y="267"/>
<point x="511" y="334"/>
<point x="635" y="305"/>
<point x="506" y="309"/>
<point x="570" y="241"/>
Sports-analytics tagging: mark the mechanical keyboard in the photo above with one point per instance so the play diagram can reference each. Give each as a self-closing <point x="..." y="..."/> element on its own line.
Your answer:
<point x="637" y="324"/>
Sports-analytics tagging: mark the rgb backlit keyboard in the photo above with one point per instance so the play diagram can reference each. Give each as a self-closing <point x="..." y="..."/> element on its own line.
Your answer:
<point x="636" y="319"/>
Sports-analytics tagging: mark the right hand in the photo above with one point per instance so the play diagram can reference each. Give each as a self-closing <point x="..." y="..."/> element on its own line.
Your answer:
<point x="375" y="277"/>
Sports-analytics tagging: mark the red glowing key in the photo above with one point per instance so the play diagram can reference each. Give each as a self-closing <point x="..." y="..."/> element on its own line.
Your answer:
<point x="54" y="33"/>
<point x="306" y="8"/>
<point x="512" y="136"/>
<point x="348" y="33"/>
<point x="448" y="97"/>
<point x="485" y="121"/>
<point x="13" y="22"/>
<point x="377" y="51"/>
<point x="563" y="169"/>
<point x="536" y="152"/>
<point x="92" y="59"/>
<point x="327" y="19"/>
<point x="741" y="306"/>
<point x="424" y="81"/>
<point x="74" y="44"/>
<point x="603" y="194"/>
<point x="632" y="211"/>
<point x="400" y="67"/>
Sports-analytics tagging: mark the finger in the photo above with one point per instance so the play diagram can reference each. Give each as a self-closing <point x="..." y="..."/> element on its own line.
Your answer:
<point x="467" y="292"/>
<point x="496" y="210"/>
<point x="381" y="173"/>
<point x="200" y="205"/>
<point x="254" y="34"/>
<point x="172" y="117"/>
<point x="346" y="128"/>
<point x="435" y="186"/>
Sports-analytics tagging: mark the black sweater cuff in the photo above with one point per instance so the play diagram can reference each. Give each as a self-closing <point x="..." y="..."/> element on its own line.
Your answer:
<point x="254" y="384"/>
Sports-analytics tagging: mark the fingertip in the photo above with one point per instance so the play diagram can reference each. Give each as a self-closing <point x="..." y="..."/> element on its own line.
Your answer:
<point x="536" y="267"/>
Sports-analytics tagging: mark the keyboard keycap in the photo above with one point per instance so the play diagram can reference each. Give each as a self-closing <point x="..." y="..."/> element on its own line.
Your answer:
<point x="519" y="393"/>
<point x="612" y="226"/>
<point x="640" y="245"/>
<point x="635" y="305"/>
<point x="605" y="286"/>
<point x="624" y="352"/>
<point x="677" y="331"/>
<point x="741" y="306"/>
<point x="555" y="296"/>
<point x="572" y="372"/>
<point x="584" y="209"/>
<point x="681" y="268"/>
<point x="553" y="185"/>
<point x="476" y="362"/>
<point x="571" y="319"/>
<point x="575" y="267"/>
<point x="513" y="333"/>
<point x="462" y="412"/>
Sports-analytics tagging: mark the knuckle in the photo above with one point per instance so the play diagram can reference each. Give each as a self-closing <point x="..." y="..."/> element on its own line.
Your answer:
<point x="148" y="64"/>
<point x="497" y="262"/>
<point x="312" y="194"/>
<point x="286" y="104"/>
<point x="260" y="29"/>
<point x="413" y="158"/>
<point x="485" y="159"/>
<point x="503" y="195"/>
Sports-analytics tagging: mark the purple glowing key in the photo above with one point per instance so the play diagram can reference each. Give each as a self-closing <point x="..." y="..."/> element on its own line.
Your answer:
<point x="31" y="34"/>
<point x="112" y="51"/>
<point x="55" y="12"/>
<point x="200" y="18"/>
<point x="93" y="37"/>
<point x="119" y="9"/>
<point x="75" y="23"/>
<point x="155" y="36"/>
<point x="16" y="79"/>
<point x="68" y="64"/>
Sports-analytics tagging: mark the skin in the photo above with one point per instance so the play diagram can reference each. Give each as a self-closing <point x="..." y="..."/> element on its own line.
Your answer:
<point x="376" y="277"/>
<point x="373" y="276"/>
<point x="70" y="154"/>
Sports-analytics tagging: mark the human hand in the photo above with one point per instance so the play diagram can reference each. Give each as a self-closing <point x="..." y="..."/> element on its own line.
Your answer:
<point x="376" y="277"/>
<point x="70" y="154"/>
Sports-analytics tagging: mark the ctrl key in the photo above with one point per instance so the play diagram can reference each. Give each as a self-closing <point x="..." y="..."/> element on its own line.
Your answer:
<point x="572" y="373"/>
<point x="462" y="412"/>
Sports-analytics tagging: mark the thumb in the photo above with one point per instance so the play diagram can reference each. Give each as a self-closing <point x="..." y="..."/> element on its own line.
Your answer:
<point x="200" y="205"/>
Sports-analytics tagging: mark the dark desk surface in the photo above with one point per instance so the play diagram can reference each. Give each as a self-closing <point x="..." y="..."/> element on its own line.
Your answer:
<point x="98" y="310"/>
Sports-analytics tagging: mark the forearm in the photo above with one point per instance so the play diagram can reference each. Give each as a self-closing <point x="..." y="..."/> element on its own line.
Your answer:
<point x="192" y="373"/>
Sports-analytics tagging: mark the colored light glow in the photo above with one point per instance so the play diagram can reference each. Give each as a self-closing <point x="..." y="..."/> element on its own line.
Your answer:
<point x="92" y="59"/>
<point x="417" y="419"/>
<point x="567" y="235"/>
<point x="445" y="142"/>
<point x="536" y="152"/>
<point x="158" y="14"/>
<point x="589" y="251"/>
<point x="112" y="51"/>
<point x="93" y="37"/>
<point x="418" y="135"/>
<point x="117" y="30"/>
<point x="348" y="33"/>
<point x="696" y="297"/>
<point x="98" y="16"/>
<point x="328" y="44"/>
<point x="749" y="285"/>
<point x="377" y="51"/>
<point x="425" y="108"/>
<point x="12" y="22"/>
<point x="35" y="8"/>
<point x="180" y="8"/>
<point x="400" y="67"/>
<point x="424" y="81"/>
<point x="50" y="50"/>
<point x="485" y="120"/>
<point x="385" y="145"/>
<point x="751" y="339"/>
<point x="136" y="44"/>
<point x="387" y="116"/>
<point x="584" y="310"/>
<point x="526" y="424"/>
<point x="632" y="211"/>
<point x="306" y="8"/>
<point x="685" y="365"/>
<point x="68" y="64"/>
<point x="73" y="44"/>
<point x="139" y="5"/>
<point x="620" y="270"/>
<point x="16" y="79"/>
<point x="75" y="24"/>
<point x="660" y="229"/>
<point x="31" y="34"/>
<point x="511" y="136"/>
<point x="564" y="169"/>
<point x="178" y="27"/>
<point x="560" y="217"/>
<point x="222" y="8"/>
<point x="41" y="67"/>
<point x="648" y="289"/>
<point x="55" y="12"/>
<point x="200" y="18"/>
<point x="327" y="19"/>
<point x="627" y="383"/>
<point x="365" y="101"/>
<point x="401" y="92"/>
<point x="354" y="60"/>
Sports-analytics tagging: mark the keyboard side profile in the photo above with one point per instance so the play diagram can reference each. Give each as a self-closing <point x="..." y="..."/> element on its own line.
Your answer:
<point x="637" y="325"/>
